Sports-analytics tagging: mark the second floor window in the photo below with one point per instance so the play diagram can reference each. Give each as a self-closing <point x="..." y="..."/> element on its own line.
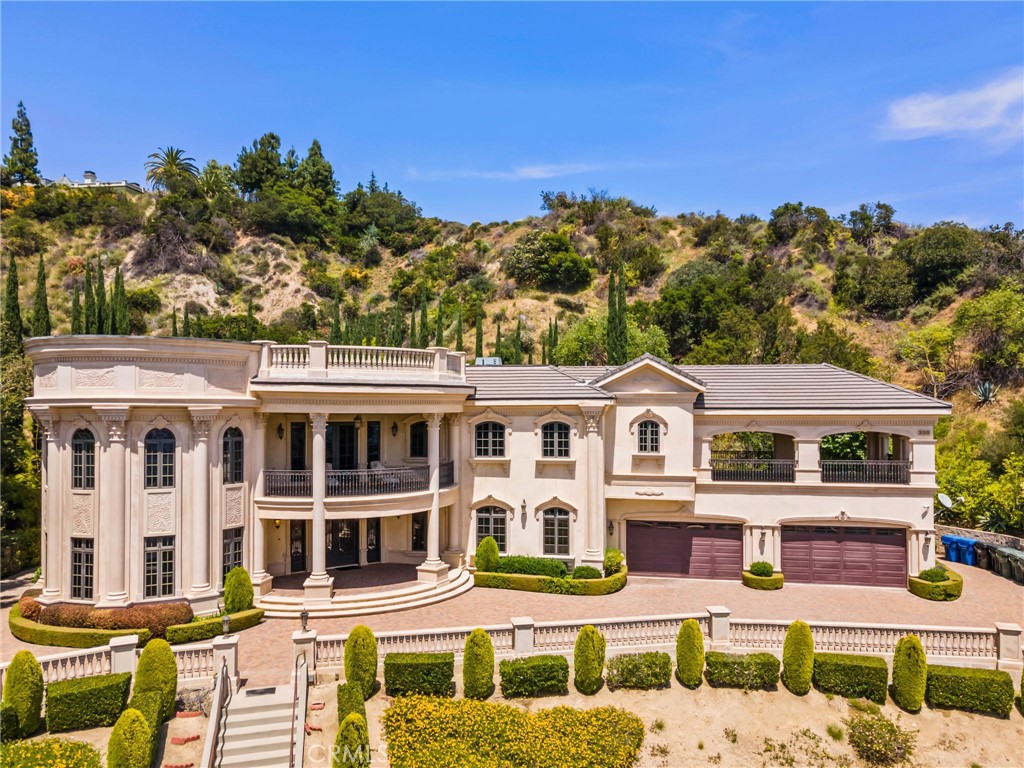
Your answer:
<point x="83" y="460"/>
<point x="160" y="459"/>
<point x="648" y="437"/>
<point x="418" y="440"/>
<point x="555" y="440"/>
<point x="490" y="439"/>
<point x="233" y="455"/>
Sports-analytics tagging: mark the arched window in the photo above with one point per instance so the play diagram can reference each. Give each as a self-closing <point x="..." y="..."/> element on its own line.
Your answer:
<point x="233" y="455"/>
<point x="490" y="439"/>
<point x="556" y="531"/>
<point x="160" y="458"/>
<point x="648" y="437"/>
<point x="418" y="440"/>
<point x="555" y="440"/>
<point x="83" y="459"/>
<point x="490" y="521"/>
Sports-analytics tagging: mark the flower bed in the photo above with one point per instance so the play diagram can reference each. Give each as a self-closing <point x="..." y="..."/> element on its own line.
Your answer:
<point x="550" y="584"/>
<point x="49" y="752"/>
<point x="69" y="637"/>
<point x="949" y="588"/>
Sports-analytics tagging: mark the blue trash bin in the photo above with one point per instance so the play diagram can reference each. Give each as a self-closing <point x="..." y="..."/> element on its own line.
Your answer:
<point x="949" y="543"/>
<point x="966" y="551"/>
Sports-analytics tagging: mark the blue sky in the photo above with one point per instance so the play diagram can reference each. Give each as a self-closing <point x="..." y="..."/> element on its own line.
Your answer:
<point x="473" y="109"/>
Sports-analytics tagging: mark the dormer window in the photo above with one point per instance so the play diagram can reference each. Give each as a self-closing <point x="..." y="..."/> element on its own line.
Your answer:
<point x="648" y="435"/>
<point x="490" y="440"/>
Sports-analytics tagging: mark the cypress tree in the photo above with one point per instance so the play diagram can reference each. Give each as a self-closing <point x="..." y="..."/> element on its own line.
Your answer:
<point x="612" y="336"/>
<point x="123" y="326"/>
<point x="544" y="350"/>
<point x="40" y="305"/>
<point x="497" y="341"/>
<point x="554" y="333"/>
<point x="517" y="354"/>
<point x="76" y="311"/>
<point x="174" y="322"/>
<point x="413" y="338"/>
<point x="336" y="337"/>
<point x="439" y="331"/>
<point x="458" y="329"/>
<point x="424" y="339"/>
<point x="623" y="328"/>
<point x="186" y="323"/>
<point x="101" y="300"/>
<point x="22" y="165"/>
<point x="111" y="322"/>
<point x="13" y="333"/>
<point x="89" y="311"/>
<point x="478" y="348"/>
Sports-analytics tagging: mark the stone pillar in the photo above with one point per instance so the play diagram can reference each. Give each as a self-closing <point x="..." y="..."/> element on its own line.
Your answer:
<point x="225" y="653"/>
<point x="122" y="653"/>
<point x="719" y="627"/>
<point x="593" y="554"/>
<point x="52" y="486"/>
<point x="434" y="570"/>
<point x="110" y="555"/>
<point x="1009" y="649"/>
<point x="522" y="635"/>
<point x="261" y="580"/>
<point x="455" y="513"/>
<point x="922" y="460"/>
<point x="808" y="452"/>
<point x="702" y="457"/>
<point x="200" y="554"/>
<point x="304" y="646"/>
<point x="318" y="587"/>
<point x="361" y="525"/>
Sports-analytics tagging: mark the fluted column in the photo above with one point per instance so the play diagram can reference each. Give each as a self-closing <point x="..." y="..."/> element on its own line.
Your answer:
<point x="51" y="556"/>
<point x="318" y="585"/>
<point x="111" y="552"/>
<point x="594" y="552"/>
<point x="260" y="578"/>
<point x="434" y="569"/>
<point x="200" y="553"/>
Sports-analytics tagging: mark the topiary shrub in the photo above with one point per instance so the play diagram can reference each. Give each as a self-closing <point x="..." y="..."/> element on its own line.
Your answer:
<point x="23" y="690"/>
<point x="237" y="590"/>
<point x="158" y="672"/>
<point x="532" y="566"/>
<point x="352" y="744"/>
<point x="586" y="572"/>
<point x="428" y="674"/>
<point x="350" y="699"/>
<point x="909" y="673"/>
<point x="973" y="690"/>
<point x="87" y="702"/>
<point x="131" y="742"/>
<point x="30" y="607"/>
<point x="742" y="670"/>
<point x="641" y="671"/>
<point x="550" y="585"/>
<point x="534" y="676"/>
<point x="361" y="659"/>
<point x="798" y="658"/>
<point x="933" y="574"/>
<point x="949" y="588"/>
<point x="10" y="729"/>
<point x="614" y="561"/>
<point x="766" y="583"/>
<point x="487" y="555"/>
<point x="690" y="654"/>
<point x="151" y="705"/>
<point x="588" y="660"/>
<point x="478" y="666"/>
<point x="762" y="568"/>
<point x="851" y="675"/>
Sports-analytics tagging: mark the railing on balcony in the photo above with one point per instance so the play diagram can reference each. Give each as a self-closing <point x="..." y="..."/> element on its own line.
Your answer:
<point x="385" y="358"/>
<point x="356" y="482"/>
<point x="754" y="470"/>
<point x="883" y="472"/>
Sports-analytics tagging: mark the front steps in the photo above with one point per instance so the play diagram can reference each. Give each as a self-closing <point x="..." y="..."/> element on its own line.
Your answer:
<point x="258" y="730"/>
<point x="366" y="603"/>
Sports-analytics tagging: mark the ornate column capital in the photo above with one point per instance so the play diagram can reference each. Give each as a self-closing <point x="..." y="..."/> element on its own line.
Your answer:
<point x="201" y="427"/>
<point x="261" y="419"/>
<point x="592" y="415"/>
<point x="433" y="420"/>
<point x="49" y="421"/>
<point x="116" y="420"/>
<point x="319" y="422"/>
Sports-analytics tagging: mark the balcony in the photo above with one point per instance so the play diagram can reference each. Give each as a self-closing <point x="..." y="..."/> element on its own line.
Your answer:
<point x="753" y="470"/>
<point x="347" y="483"/>
<point x="318" y="360"/>
<point x="882" y="472"/>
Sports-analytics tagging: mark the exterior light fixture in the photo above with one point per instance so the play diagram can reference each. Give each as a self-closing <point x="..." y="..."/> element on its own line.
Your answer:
<point x="225" y="624"/>
<point x="764" y="535"/>
<point x="358" y="421"/>
<point x="280" y="431"/>
<point x="304" y="619"/>
<point x="394" y="429"/>
<point x="611" y="528"/>
<point x="277" y="523"/>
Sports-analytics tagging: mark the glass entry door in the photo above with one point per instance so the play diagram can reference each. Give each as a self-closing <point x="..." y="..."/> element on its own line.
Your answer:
<point x="372" y="539"/>
<point x="342" y="543"/>
<point x="298" y="545"/>
<point x="341" y="445"/>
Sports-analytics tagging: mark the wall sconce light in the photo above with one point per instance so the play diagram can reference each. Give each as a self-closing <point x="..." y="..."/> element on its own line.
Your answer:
<point x="304" y="619"/>
<point x="358" y="421"/>
<point x="394" y="429"/>
<point x="277" y="524"/>
<point x="611" y="528"/>
<point x="280" y="431"/>
<point x="764" y="535"/>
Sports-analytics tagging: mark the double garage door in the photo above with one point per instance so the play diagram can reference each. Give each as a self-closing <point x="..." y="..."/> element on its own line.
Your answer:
<point x="698" y="550"/>
<point x="822" y="554"/>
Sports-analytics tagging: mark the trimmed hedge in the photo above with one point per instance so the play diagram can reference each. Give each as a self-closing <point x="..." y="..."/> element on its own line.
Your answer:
<point x="150" y="704"/>
<point x="352" y="744"/>
<point x="49" y="752"/>
<point x="40" y="634"/>
<point x="973" y="690"/>
<point x="585" y="572"/>
<point x="690" y="654"/>
<point x="153" y="617"/>
<point x="478" y="665"/>
<point x="766" y="583"/>
<point x="429" y="674"/>
<point x="851" y="675"/>
<point x="742" y="670"/>
<point x="237" y="591"/>
<point x="10" y="729"/>
<point x="909" y="673"/>
<point x="614" y="561"/>
<point x="761" y="568"/>
<point x="588" y="660"/>
<point x="131" y="742"/>
<point x="642" y="671"/>
<point x="534" y="675"/>
<point x="532" y="566"/>
<point x="196" y="631"/>
<point x="350" y="699"/>
<point x="487" y="555"/>
<point x="950" y="589"/>
<point x="935" y="574"/>
<point x="558" y="586"/>
<point x="798" y="658"/>
<point x="23" y="690"/>
<point x="88" y="702"/>
<point x="361" y="659"/>
<point x="157" y="671"/>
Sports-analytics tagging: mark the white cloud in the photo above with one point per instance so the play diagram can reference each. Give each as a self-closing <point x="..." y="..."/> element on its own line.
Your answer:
<point x="993" y="112"/>
<point x="520" y="173"/>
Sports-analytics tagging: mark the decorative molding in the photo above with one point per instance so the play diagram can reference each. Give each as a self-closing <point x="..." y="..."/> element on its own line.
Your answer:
<point x="232" y="507"/>
<point x="433" y="420"/>
<point x="490" y="501"/>
<point x="261" y="419"/>
<point x="81" y="514"/>
<point x="159" y="378"/>
<point x="648" y="492"/>
<point x="160" y="513"/>
<point x="556" y="415"/>
<point x="593" y="418"/>
<point x="109" y="358"/>
<point x="117" y="422"/>
<point x="491" y="415"/>
<point x="47" y="380"/>
<point x="93" y="378"/>
<point x="201" y="427"/>
<point x="649" y="415"/>
<point x="319" y="423"/>
<point x="553" y="502"/>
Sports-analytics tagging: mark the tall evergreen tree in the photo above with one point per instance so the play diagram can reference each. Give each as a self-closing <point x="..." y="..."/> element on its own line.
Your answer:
<point x="497" y="341"/>
<point x="121" y="322"/>
<point x="478" y="348"/>
<point x="543" y="349"/>
<point x="623" y="312"/>
<point x="439" y="330"/>
<point x="174" y="322"/>
<point x="22" y="165"/>
<point x="458" y="329"/>
<point x="13" y="332"/>
<point x="413" y="338"/>
<point x="336" y="337"/>
<point x="424" y="340"/>
<point x="89" y="315"/>
<point x="40" y="304"/>
<point x="554" y="333"/>
<point x="616" y="320"/>
<point x="76" y="311"/>
<point x="101" y="300"/>
<point x="186" y="323"/>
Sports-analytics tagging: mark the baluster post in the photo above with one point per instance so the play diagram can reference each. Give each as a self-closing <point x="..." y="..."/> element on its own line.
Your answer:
<point x="522" y="635"/>
<point x="1008" y="648"/>
<point x="720" y="627"/>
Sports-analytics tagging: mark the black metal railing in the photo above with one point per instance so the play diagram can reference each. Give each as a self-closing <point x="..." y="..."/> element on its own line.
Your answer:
<point x="447" y="472"/>
<point x="754" y="470"/>
<point x="881" y="472"/>
<point x="356" y="482"/>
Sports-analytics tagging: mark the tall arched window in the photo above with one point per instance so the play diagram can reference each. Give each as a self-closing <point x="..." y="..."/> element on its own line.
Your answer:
<point x="160" y="458"/>
<point x="490" y="521"/>
<point x="555" y="440"/>
<point x="556" y="531"/>
<point x="490" y="439"/>
<point x="83" y="459"/>
<point x="233" y="455"/>
<point x="648" y="437"/>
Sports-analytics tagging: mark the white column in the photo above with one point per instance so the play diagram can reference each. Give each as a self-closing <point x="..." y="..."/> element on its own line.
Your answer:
<point x="594" y="553"/>
<point x="433" y="569"/>
<point x="111" y="556"/>
<point x="455" y="511"/>
<point x="51" y="555"/>
<point x="922" y="461"/>
<point x="702" y="457"/>
<point x="808" y="451"/>
<point x="318" y="585"/>
<point x="261" y="580"/>
<point x="200" y="554"/>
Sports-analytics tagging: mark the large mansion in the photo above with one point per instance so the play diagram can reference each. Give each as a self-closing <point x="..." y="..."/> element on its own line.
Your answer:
<point x="168" y="461"/>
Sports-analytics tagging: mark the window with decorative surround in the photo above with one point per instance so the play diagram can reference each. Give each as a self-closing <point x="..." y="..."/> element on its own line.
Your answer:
<point x="233" y="462"/>
<point x="160" y="458"/>
<point x="83" y="460"/>
<point x="490" y="440"/>
<point x="490" y="521"/>
<point x="232" y="549"/>
<point x="159" y="566"/>
<point x="648" y="436"/>
<point x="81" y="569"/>
<point x="554" y="442"/>
<point x="556" y="531"/>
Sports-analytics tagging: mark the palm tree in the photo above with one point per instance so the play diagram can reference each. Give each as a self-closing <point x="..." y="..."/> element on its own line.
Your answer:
<point x="169" y="163"/>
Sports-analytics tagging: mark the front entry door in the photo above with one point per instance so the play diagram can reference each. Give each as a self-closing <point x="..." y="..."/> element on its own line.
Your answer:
<point x="373" y="540"/>
<point x="341" y="445"/>
<point x="342" y="543"/>
<point x="298" y="546"/>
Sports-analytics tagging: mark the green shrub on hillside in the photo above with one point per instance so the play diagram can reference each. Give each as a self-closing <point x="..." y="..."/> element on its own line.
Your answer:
<point x="588" y="660"/>
<point x="23" y="690"/>
<point x="158" y="672"/>
<point x="350" y="699"/>
<point x="10" y="729"/>
<point x="361" y="659"/>
<point x="238" y="592"/>
<point x="150" y="704"/>
<point x="478" y="665"/>
<point x="428" y="674"/>
<point x="86" y="702"/>
<point x="487" y="555"/>
<point x="534" y="676"/>
<point x="851" y="675"/>
<point x="352" y="744"/>
<point x="798" y="658"/>
<point x="131" y="742"/>
<point x="641" y="671"/>
<point x="690" y="654"/>
<point x="909" y="673"/>
<point x="972" y="690"/>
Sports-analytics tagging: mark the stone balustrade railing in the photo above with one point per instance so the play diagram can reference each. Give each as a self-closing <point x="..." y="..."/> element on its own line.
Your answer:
<point x="317" y="359"/>
<point x="330" y="649"/>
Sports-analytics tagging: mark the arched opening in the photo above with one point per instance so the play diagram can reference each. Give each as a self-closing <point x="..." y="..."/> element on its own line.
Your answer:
<point x="763" y="457"/>
<point x="865" y="457"/>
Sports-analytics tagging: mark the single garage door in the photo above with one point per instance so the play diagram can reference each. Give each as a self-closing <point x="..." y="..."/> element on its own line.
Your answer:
<point x="822" y="554"/>
<point x="698" y="550"/>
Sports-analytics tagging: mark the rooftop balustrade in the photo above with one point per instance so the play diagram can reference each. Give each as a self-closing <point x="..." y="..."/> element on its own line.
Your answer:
<point x="319" y="360"/>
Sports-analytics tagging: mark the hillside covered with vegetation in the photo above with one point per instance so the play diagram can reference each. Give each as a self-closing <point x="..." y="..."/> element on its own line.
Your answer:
<point x="271" y="246"/>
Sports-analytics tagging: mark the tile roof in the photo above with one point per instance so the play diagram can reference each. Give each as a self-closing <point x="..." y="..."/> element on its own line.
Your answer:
<point x="529" y="382"/>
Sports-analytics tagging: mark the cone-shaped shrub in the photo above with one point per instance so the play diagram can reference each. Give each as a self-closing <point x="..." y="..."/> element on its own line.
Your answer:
<point x="798" y="658"/>
<point x="588" y="660"/>
<point x="909" y="673"/>
<point x="237" y="590"/>
<point x="478" y="666"/>
<point x="690" y="654"/>
<point x="23" y="692"/>
<point x="352" y="744"/>
<point x="487" y="555"/>
<point x="157" y="671"/>
<point x="361" y="659"/>
<point x="131" y="742"/>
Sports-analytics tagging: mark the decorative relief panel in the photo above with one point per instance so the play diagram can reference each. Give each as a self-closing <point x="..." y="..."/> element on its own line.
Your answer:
<point x="47" y="378"/>
<point x="93" y="377"/>
<point x="232" y="507"/>
<point x="160" y="512"/>
<point x="220" y="377"/>
<point x="81" y="514"/>
<point x="159" y="378"/>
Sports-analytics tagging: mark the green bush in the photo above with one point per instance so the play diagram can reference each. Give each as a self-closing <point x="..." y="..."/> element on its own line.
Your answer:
<point x="352" y="744"/>
<point x="88" y="702"/>
<point x="614" y="561"/>
<point x="586" y="572"/>
<point x="736" y="670"/>
<point x="151" y="705"/>
<point x="49" y="752"/>
<point x="852" y="676"/>
<point x="798" y="658"/>
<point x="23" y="690"/>
<point x="972" y="690"/>
<point x="197" y="631"/>
<point x="350" y="699"/>
<point x="588" y="660"/>
<point x="558" y="586"/>
<point x="429" y="674"/>
<point x="534" y="676"/>
<point x="361" y="659"/>
<point x="879" y="741"/>
<point x="909" y="673"/>
<point x="933" y="574"/>
<point x="10" y="729"/>
<point x="131" y="742"/>
<point x="487" y="555"/>
<point x="642" y="671"/>
<point x="762" y="568"/>
<point x="690" y="654"/>
<point x="155" y="618"/>
<point x="478" y="666"/>
<point x="158" y="672"/>
<point x="766" y="583"/>
<point x="68" y="637"/>
<point x="532" y="566"/>
<point x="948" y="589"/>
<point x="237" y="590"/>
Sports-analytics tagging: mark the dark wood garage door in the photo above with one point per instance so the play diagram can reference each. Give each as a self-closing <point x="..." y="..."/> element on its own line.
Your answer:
<point x="822" y="554"/>
<point x="700" y="551"/>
